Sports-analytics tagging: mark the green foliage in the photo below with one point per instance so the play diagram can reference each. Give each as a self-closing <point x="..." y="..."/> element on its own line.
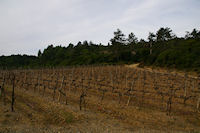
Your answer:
<point x="164" y="34"/>
<point x="132" y="39"/>
<point x="195" y="34"/>
<point x="167" y="51"/>
<point x="17" y="61"/>
<point x="68" y="117"/>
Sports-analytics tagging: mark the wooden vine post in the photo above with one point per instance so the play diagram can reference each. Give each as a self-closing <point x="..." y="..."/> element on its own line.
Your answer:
<point x="3" y="94"/>
<point x="82" y="96"/>
<point x="143" y="87"/>
<point x="198" y="104"/>
<point x="82" y="100"/>
<point x="54" y="89"/>
<point x="185" y="89"/>
<point x="198" y="98"/>
<point x="60" y="89"/>
<point x="171" y="93"/>
<point x="130" y="90"/>
<point x="39" y="78"/>
<point x="13" y="93"/>
<point x="36" y="83"/>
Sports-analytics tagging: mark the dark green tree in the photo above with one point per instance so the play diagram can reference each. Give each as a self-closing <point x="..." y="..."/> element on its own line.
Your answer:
<point x="132" y="39"/>
<point x="70" y="46"/>
<point x="164" y="34"/>
<point x="151" y="38"/>
<point x="39" y="53"/>
<point x="117" y="43"/>
<point x="119" y="38"/>
<point x="195" y="34"/>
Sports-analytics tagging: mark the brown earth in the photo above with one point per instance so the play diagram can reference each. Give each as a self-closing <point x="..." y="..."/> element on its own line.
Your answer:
<point x="34" y="113"/>
<point x="162" y="70"/>
<point x="37" y="111"/>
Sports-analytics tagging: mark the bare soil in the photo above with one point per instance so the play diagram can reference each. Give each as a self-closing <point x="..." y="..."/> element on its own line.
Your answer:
<point x="34" y="113"/>
<point x="35" y="110"/>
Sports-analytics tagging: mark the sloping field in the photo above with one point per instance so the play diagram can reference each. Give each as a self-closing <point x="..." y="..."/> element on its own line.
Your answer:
<point x="100" y="99"/>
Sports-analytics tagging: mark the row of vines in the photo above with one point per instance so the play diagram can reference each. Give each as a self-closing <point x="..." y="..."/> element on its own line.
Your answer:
<point x="113" y="85"/>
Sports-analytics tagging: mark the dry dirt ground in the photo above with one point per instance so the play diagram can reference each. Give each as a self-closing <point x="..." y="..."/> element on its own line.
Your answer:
<point x="34" y="113"/>
<point x="161" y="70"/>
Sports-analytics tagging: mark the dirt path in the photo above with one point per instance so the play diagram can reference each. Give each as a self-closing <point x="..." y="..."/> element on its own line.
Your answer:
<point x="162" y="70"/>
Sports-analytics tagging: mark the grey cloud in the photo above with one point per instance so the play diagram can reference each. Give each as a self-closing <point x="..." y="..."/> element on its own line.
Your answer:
<point x="29" y="25"/>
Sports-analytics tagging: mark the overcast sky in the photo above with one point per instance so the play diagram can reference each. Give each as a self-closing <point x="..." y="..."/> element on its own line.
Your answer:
<point x="29" y="25"/>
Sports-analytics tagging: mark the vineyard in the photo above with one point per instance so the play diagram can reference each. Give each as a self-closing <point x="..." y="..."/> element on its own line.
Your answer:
<point x="112" y="90"/>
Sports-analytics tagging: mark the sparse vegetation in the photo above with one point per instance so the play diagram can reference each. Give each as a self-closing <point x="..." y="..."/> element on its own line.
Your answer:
<point x="127" y="94"/>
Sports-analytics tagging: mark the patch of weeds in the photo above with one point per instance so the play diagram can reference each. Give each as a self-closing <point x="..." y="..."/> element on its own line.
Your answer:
<point x="7" y="115"/>
<point x="69" y="118"/>
<point x="193" y="131"/>
<point x="5" y="122"/>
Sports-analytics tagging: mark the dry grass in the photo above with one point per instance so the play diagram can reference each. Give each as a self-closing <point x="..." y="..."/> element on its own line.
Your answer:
<point x="33" y="109"/>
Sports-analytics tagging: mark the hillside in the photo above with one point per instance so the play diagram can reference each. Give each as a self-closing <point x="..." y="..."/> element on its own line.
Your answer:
<point x="99" y="99"/>
<point x="162" y="49"/>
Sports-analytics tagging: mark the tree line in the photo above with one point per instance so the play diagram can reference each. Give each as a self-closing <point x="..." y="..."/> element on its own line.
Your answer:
<point x="162" y="48"/>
